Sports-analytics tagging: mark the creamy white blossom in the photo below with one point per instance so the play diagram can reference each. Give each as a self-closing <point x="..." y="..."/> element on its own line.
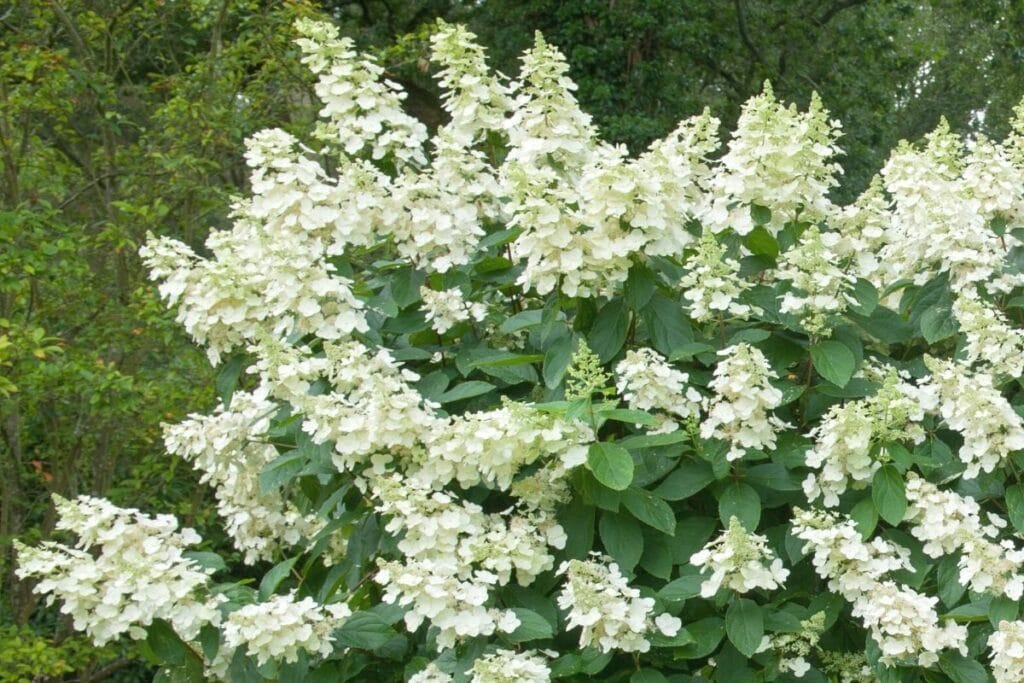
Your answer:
<point x="647" y="382"/>
<point x="509" y="666"/>
<point x="712" y="283"/>
<point x="739" y="410"/>
<point x="991" y="341"/>
<point x="1007" y="645"/>
<point x="447" y="308"/>
<point x="283" y="626"/>
<point x="125" y="570"/>
<point x="821" y="288"/>
<point x="740" y="561"/>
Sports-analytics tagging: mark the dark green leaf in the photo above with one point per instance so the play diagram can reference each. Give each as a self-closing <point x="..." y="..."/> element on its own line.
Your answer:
<point x="650" y="510"/>
<point x="938" y="323"/>
<point x="648" y="676"/>
<point x="888" y="492"/>
<point x="522" y="320"/>
<point x="666" y="324"/>
<point x="556" y="360"/>
<point x="760" y="214"/>
<point x="207" y="560"/>
<point x="961" y="669"/>
<point x="653" y="440"/>
<point x="532" y="626"/>
<point x="683" y="588"/>
<point x="464" y="391"/>
<point x="636" y="417"/>
<point x="866" y="295"/>
<point x="165" y="643"/>
<point x="281" y="470"/>
<point x="865" y="516"/>
<point x="609" y="330"/>
<point x="1015" y="506"/>
<point x="611" y="464"/>
<point x="623" y="539"/>
<point x="686" y="480"/>
<point x="227" y="378"/>
<point x="639" y="286"/>
<point x="741" y="501"/>
<point x="834" y="362"/>
<point x="744" y="624"/>
<point x="760" y="241"/>
<point x="364" y="630"/>
<point x="273" y="578"/>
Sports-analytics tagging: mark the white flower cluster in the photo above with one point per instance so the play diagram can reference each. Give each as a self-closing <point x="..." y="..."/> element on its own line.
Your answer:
<point x="971" y="405"/>
<point x="794" y="648"/>
<point x="844" y="439"/>
<point x="1007" y="644"/>
<point x="431" y="673"/>
<point x="861" y="230"/>
<point x="230" y="449"/>
<point x="901" y="621"/>
<point x="740" y="560"/>
<point x="712" y="283"/>
<point x="447" y="308"/>
<point x="372" y="409"/>
<point x="779" y="159"/>
<point x="508" y="666"/>
<point x="454" y="554"/>
<point x="647" y="382"/>
<point x="821" y="286"/>
<point x="282" y="627"/>
<point x="126" y="569"/>
<point x="940" y="219"/>
<point x="991" y="342"/>
<point x="491" y="447"/>
<point x="610" y="613"/>
<point x="947" y="522"/>
<point x="364" y="111"/>
<point x="738" y="412"/>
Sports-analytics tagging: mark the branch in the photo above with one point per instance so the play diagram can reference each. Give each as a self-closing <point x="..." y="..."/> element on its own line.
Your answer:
<point x="741" y="19"/>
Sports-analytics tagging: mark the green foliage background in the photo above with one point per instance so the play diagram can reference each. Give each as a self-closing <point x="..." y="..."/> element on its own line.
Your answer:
<point x="119" y="117"/>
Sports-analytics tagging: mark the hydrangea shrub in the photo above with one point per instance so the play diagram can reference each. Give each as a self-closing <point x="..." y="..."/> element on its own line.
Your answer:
<point x="504" y="404"/>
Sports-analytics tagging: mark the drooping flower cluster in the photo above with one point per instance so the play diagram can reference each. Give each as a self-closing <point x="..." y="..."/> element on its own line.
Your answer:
<point x="125" y="570"/>
<point x="282" y="627"/>
<point x="991" y="342"/>
<point x="647" y="382"/>
<point x="971" y="405"/>
<point x="446" y="309"/>
<point x="902" y="621"/>
<point x="1007" y="644"/>
<point x="610" y="613"/>
<point x="738" y="412"/>
<point x="845" y="439"/>
<point x="947" y="522"/>
<point x="230" y="448"/>
<point x="739" y="560"/>
<point x="712" y="283"/>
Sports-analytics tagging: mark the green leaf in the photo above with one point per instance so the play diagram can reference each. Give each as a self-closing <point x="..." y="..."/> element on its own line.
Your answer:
<point x="281" y="470"/>
<point x="866" y="295"/>
<point x="760" y="214"/>
<point x="164" y="642"/>
<point x="608" y="333"/>
<point x="636" y="417"/>
<point x="556" y="361"/>
<point x="1015" y="506"/>
<point x="206" y="560"/>
<point x="364" y="630"/>
<point x="650" y="510"/>
<point x="577" y="519"/>
<point x="611" y="464"/>
<point x="947" y="576"/>
<point x="888" y="491"/>
<point x="744" y="624"/>
<point x="522" y="320"/>
<point x="532" y="626"/>
<point x="666" y="324"/>
<point x="464" y="391"/>
<point x="273" y="578"/>
<point x="686" y="480"/>
<point x="865" y="516"/>
<point x="639" y="286"/>
<point x="653" y="440"/>
<point x="683" y="588"/>
<point x="834" y="362"/>
<point x="707" y="634"/>
<point x="760" y="241"/>
<point x="938" y="323"/>
<point x="227" y="378"/>
<point x="961" y="669"/>
<point x="623" y="539"/>
<point x="648" y="676"/>
<point x="741" y="501"/>
<point x="1002" y="609"/>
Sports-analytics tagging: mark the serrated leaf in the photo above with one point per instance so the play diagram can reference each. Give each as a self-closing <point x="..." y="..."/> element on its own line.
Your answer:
<point x="623" y="539"/>
<point x="650" y="510"/>
<point x="206" y="560"/>
<point x="611" y="464"/>
<point x="865" y="517"/>
<point x="636" y="417"/>
<point x="281" y="470"/>
<point x="866" y="296"/>
<point x="556" y="361"/>
<point x="639" y="286"/>
<point x="364" y="630"/>
<point x="834" y="362"/>
<point x="164" y="642"/>
<point x="227" y="378"/>
<point x="888" y="491"/>
<point x="532" y="626"/>
<point x="961" y="669"/>
<point x="683" y="588"/>
<point x="741" y="501"/>
<point x="273" y="578"/>
<point x="938" y="323"/>
<point x="686" y="480"/>
<point x="522" y="320"/>
<point x="608" y="333"/>
<point x="744" y="625"/>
